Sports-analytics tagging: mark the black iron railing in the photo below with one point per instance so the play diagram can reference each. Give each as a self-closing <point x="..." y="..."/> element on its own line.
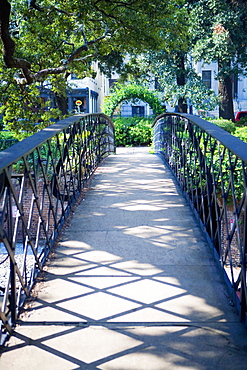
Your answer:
<point x="40" y="179"/>
<point x="211" y="167"/>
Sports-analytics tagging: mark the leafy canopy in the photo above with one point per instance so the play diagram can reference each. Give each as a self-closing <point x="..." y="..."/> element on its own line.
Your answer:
<point x="218" y="30"/>
<point x="53" y="36"/>
<point x="162" y="69"/>
<point x="44" y="41"/>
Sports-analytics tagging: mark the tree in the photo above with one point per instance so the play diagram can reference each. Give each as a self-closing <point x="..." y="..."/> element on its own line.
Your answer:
<point x="169" y="68"/>
<point x="162" y="70"/>
<point x="218" y="29"/>
<point x="171" y="57"/>
<point x="69" y="30"/>
<point x="44" y="41"/>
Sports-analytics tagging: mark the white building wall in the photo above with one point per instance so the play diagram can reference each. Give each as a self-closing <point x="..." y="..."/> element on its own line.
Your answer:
<point x="213" y="67"/>
<point x="99" y="85"/>
<point x="240" y="100"/>
<point x="126" y="108"/>
<point x="102" y="85"/>
<point x="240" y="103"/>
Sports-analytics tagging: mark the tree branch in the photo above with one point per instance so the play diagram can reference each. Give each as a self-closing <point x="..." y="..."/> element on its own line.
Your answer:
<point x="39" y="76"/>
<point x="85" y="58"/>
<point x="9" y="44"/>
<point x="62" y="11"/>
<point x="24" y="65"/>
<point x="32" y="4"/>
<point x="85" y="47"/>
<point x="115" y="5"/>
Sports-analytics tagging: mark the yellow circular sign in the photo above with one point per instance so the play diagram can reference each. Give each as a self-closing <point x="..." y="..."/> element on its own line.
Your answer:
<point x="78" y="102"/>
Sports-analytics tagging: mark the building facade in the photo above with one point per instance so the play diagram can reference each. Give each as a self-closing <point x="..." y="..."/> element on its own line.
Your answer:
<point x="84" y="95"/>
<point x="239" y="85"/>
<point x="87" y="95"/>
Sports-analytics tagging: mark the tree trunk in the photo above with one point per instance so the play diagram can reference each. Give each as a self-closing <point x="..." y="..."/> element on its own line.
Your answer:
<point x="225" y="95"/>
<point x="182" y="105"/>
<point x="181" y="80"/>
<point x="62" y="103"/>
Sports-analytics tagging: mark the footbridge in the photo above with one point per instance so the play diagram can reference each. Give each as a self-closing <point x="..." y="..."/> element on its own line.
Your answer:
<point x="124" y="258"/>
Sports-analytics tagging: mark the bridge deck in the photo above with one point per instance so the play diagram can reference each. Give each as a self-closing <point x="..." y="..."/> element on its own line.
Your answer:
<point x="133" y="284"/>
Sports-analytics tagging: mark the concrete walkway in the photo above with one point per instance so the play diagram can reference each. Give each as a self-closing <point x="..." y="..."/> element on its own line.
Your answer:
<point x="133" y="285"/>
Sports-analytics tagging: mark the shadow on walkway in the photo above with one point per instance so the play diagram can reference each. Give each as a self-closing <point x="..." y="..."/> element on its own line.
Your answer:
<point x="133" y="284"/>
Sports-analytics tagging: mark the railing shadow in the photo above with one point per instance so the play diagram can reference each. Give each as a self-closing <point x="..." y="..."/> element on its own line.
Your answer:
<point x="210" y="166"/>
<point x="41" y="178"/>
<point x="134" y="286"/>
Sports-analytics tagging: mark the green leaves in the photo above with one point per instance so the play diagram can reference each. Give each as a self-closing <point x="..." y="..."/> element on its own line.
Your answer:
<point x="194" y="90"/>
<point x="133" y="131"/>
<point x="53" y="34"/>
<point x="23" y="110"/>
<point x="225" y="124"/>
<point x="133" y="93"/>
<point x="59" y="37"/>
<point x="218" y="31"/>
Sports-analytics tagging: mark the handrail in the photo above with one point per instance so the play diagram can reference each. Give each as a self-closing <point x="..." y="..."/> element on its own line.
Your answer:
<point x="211" y="168"/>
<point x="228" y="140"/>
<point x="41" y="177"/>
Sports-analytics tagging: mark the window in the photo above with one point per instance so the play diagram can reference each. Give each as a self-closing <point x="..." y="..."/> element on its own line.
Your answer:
<point x="112" y="82"/>
<point x="206" y="78"/>
<point x="157" y="84"/>
<point x="138" y="111"/>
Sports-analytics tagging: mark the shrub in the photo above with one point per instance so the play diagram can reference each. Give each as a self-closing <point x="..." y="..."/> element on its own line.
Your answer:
<point x="7" y="139"/>
<point x="237" y="129"/>
<point x="242" y="122"/>
<point x="133" y="131"/>
<point x="225" y="124"/>
<point x="6" y="135"/>
<point x="241" y="133"/>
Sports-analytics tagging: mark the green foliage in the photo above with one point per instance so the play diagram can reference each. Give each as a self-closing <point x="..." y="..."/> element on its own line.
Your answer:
<point x="131" y="92"/>
<point x="6" y="135"/>
<point x="225" y="124"/>
<point x="242" y="122"/>
<point x="218" y="29"/>
<point x="241" y="133"/>
<point x="133" y="131"/>
<point x="199" y="95"/>
<point x="164" y="66"/>
<point x="23" y="110"/>
<point x="48" y="37"/>
<point x="7" y="139"/>
<point x="229" y="126"/>
<point x="59" y="38"/>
